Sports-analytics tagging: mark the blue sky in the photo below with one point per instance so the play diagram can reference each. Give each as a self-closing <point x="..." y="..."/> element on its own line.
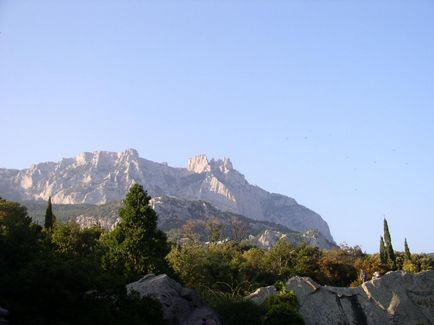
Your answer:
<point x="329" y="102"/>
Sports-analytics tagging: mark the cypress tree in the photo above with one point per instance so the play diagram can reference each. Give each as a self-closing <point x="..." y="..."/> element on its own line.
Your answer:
<point x="391" y="258"/>
<point x="50" y="218"/>
<point x="383" y="253"/>
<point x="136" y="246"/>
<point x="407" y="254"/>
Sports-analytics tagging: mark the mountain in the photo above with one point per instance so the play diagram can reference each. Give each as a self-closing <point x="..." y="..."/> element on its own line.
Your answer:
<point x="174" y="214"/>
<point x="101" y="177"/>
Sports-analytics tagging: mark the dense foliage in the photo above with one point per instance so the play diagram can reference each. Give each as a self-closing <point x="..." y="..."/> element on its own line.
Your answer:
<point x="54" y="276"/>
<point x="61" y="274"/>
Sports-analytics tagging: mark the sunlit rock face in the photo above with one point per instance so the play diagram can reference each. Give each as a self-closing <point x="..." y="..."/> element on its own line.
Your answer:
<point x="269" y="237"/>
<point x="396" y="298"/>
<point x="100" y="177"/>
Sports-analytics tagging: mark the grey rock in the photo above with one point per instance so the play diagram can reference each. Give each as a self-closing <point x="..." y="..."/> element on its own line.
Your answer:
<point x="102" y="176"/>
<point x="395" y="298"/>
<point x="4" y="313"/>
<point x="269" y="237"/>
<point x="261" y="294"/>
<point x="180" y="305"/>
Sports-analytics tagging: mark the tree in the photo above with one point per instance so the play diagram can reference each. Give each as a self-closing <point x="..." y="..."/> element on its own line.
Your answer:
<point x="383" y="253"/>
<point x="189" y="232"/>
<point x="391" y="258"/>
<point x="337" y="267"/>
<point x="407" y="254"/>
<point x="408" y="265"/>
<point x="213" y="228"/>
<point x="18" y="236"/>
<point x="136" y="247"/>
<point x="69" y="239"/>
<point x="238" y="228"/>
<point x="50" y="218"/>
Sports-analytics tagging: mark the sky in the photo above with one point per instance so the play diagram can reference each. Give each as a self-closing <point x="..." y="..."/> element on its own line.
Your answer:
<point x="328" y="102"/>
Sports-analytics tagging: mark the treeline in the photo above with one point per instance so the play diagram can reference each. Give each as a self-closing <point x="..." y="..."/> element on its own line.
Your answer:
<point x="61" y="274"/>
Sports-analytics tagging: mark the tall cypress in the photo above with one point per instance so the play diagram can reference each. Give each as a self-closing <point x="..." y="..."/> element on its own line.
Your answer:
<point x="383" y="253"/>
<point x="407" y="254"/>
<point x="50" y="218"/>
<point x="391" y="258"/>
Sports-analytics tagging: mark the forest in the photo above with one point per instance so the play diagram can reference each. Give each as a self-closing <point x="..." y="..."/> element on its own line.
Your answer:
<point x="59" y="273"/>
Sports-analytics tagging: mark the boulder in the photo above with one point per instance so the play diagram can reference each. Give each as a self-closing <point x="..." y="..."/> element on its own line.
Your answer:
<point x="261" y="294"/>
<point x="3" y="315"/>
<point x="395" y="298"/>
<point x="180" y="305"/>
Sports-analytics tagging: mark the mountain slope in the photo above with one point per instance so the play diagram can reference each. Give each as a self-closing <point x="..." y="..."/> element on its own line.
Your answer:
<point x="101" y="177"/>
<point x="174" y="214"/>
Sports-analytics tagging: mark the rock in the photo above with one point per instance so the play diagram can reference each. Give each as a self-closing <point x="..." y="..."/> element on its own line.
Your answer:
<point x="180" y="305"/>
<point x="198" y="164"/>
<point x="261" y="294"/>
<point x="269" y="237"/>
<point x="4" y="313"/>
<point x="101" y="176"/>
<point x="395" y="298"/>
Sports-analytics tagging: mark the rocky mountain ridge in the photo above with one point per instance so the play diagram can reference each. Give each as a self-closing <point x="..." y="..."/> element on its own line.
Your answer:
<point x="102" y="177"/>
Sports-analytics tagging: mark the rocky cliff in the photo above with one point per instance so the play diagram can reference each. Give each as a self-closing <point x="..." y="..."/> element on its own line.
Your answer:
<point x="395" y="298"/>
<point x="101" y="177"/>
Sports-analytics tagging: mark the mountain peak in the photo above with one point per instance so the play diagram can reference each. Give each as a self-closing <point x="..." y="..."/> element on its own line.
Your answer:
<point x="199" y="164"/>
<point x="224" y="165"/>
<point x="131" y="152"/>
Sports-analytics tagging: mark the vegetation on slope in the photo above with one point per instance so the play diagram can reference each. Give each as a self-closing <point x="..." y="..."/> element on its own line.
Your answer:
<point x="61" y="274"/>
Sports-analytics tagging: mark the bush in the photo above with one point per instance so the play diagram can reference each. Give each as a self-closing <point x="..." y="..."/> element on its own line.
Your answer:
<point x="237" y="311"/>
<point x="282" y="309"/>
<point x="282" y="313"/>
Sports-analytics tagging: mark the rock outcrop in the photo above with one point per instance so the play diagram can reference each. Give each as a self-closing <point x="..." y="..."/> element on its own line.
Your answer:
<point x="101" y="177"/>
<point x="269" y="237"/>
<point x="259" y="296"/>
<point x="3" y="316"/>
<point x="395" y="298"/>
<point x="181" y="306"/>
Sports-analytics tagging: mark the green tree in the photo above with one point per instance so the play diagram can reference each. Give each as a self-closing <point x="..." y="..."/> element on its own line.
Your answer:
<point x="69" y="239"/>
<point x="50" y="218"/>
<point x="337" y="267"/>
<point x="213" y="229"/>
<point x="408" y="265"/>
<point x="18" y="236"/>
<point x="136" y="247"/>
<point x="407" y="254"/>
<point x="383" y="253"/>
<point x="391" y="258"/>
<point x="280" y="259"/>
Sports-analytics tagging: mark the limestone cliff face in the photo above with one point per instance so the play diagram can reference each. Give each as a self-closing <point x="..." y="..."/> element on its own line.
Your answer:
<point x="102" y="177"/>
